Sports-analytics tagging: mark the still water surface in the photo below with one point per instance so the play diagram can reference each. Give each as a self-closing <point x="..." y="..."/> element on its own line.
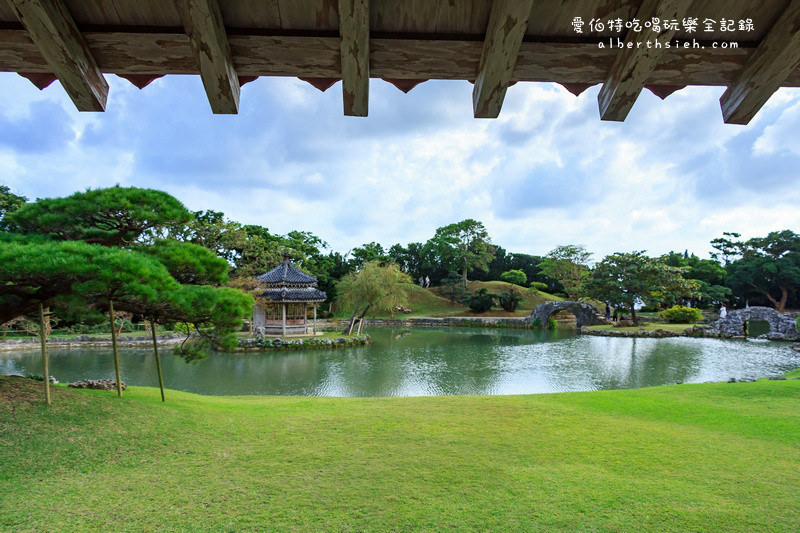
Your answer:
<point x="429" y="362"/>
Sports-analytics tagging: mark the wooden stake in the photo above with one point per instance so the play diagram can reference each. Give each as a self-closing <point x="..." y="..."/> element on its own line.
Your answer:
<point x="114" y="347"/>
<point x="45" y="365"/>
<point x="158" y="359"/>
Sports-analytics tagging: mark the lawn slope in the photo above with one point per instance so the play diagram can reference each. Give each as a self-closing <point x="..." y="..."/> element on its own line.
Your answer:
<point x="688" y="457"/>
<point x="431" y="302"/>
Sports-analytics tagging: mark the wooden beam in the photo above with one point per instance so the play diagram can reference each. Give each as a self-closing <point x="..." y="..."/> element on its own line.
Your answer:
<point x="202" y="20"/>
<point x="52" y="30"/>
<point x="354" y="46"/>
<point x="638" y="58"/>
<point x="507" y="23"/>
<point x="770" y="65"/>
<point x="133" y="52"/>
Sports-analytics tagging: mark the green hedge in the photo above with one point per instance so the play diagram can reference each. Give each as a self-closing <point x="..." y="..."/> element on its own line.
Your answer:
<point x="680" y="314"/>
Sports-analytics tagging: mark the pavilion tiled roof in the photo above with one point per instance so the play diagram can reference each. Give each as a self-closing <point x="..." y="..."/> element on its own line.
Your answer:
<point x="288" y="294"/>
<point x="287" y="283"/>
<point x="285" y="275"/>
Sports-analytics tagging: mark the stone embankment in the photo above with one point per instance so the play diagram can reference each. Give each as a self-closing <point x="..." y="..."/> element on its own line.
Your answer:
<point x="638" y="334"/>
<point x="266" y="344"/>
<point x="706" y="331"/>
<point x="89" y="341"/>
<point x="97" y="384"/>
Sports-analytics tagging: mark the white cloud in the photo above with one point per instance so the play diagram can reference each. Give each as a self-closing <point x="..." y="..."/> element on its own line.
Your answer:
<point x="547" y="172"/>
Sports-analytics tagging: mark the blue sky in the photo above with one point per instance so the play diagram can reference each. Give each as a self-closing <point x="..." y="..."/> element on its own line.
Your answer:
<point x="547" y="172"/>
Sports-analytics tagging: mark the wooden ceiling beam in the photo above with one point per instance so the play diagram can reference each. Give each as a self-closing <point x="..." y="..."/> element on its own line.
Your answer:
<point x="412" y="59"/>
<point x="52" y="29"/>
<point x="636" y="62"/>
<point x="354" y="48"/>
<point x="202" y="21"/>
<point x="768" y="68"/>
<point x="507" y="23"/>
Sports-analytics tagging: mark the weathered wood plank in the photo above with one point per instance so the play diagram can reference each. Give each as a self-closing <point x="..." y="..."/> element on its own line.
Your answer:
<point x="202" y="20"/>
<point x="636" y="62"/>
<point x="767" y="69"/>
<point x="354" y="33"/>
<point x="462" y="16"/>
<point x="507" y="24"/>
<point x="55" y="35"/>
<point x="260" y="55"/>
<point x="308" y="14"/>
<point x="413" y="16"/>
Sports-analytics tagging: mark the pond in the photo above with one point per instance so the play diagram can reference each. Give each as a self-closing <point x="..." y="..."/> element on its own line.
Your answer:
<point x="425" y="362"/>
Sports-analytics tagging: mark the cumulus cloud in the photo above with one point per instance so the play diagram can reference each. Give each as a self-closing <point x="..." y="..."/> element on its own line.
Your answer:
<point x="547" y="172"/>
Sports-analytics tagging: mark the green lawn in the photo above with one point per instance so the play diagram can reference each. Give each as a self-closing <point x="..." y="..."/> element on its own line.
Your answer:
<point x="678" y="328"/>
<point x="686" y="457"/>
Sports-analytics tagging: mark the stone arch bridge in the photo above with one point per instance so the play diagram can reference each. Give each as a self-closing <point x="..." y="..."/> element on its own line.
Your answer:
<point x="733" y="325"/>
<point x="585" y="314"/>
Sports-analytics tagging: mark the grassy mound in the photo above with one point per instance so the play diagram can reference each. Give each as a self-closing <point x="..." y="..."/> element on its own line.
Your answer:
<point x="688" y="457"/>
<point x="530" y="297"/>
<point x="431" y="303"/>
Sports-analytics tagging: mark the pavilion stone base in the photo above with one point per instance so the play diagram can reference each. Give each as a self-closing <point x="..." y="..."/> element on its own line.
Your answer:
<point x="278" y="331"/>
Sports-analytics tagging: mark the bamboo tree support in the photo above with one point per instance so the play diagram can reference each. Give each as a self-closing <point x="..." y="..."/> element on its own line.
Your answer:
<point x="360" y="324"/>
<point x="45" y="362"/>
<point x="114" y="347"/>
<point x="158" y="359"/>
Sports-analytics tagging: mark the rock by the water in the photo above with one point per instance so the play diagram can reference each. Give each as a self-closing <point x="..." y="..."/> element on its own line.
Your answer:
<point x="777" y="378"/>
<point x="99" y="384"/>
<point x="53" y="380"/>
<point x="732" y="380"/>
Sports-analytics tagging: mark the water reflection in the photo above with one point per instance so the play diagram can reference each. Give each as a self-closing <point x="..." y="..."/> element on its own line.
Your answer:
<point x="411" y="362"/>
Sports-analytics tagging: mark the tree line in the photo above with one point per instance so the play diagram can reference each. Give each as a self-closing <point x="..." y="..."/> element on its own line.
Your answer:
<point x="87" y="256"/>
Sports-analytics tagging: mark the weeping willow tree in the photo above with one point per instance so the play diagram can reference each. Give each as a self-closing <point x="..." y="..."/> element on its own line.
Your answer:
<point x="374" y="287"/>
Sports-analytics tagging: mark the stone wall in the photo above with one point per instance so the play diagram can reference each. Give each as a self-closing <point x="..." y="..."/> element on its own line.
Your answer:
<point x="267" y="344"/>
<point x="88" y="341"/>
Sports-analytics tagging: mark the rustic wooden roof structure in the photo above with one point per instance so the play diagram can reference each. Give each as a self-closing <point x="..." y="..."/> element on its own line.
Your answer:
<point x="493" y="43"/>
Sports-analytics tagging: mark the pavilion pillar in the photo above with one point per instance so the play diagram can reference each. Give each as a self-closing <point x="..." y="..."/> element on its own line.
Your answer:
<point x="315" y="318"/>
<point x="283" y="307"/>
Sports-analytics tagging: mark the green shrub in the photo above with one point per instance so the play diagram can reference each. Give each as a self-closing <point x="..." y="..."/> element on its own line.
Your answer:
<point x="797" y="324"/>
<point x="517" y="277"/>
<point x="480" y="301"/>
<point x="538" y="285"/>
<point x="679" y="314"/>
<point x="536" y="323"/>
<point x="510" y="300"/>
<point x="552" y="323"/>
<point x="453" y="288"/>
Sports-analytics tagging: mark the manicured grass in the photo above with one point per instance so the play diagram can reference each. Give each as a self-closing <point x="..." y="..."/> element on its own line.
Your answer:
<point x="716" y="457"/>
<point x="679" y="328"/>
<point x="530" y="297"/>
